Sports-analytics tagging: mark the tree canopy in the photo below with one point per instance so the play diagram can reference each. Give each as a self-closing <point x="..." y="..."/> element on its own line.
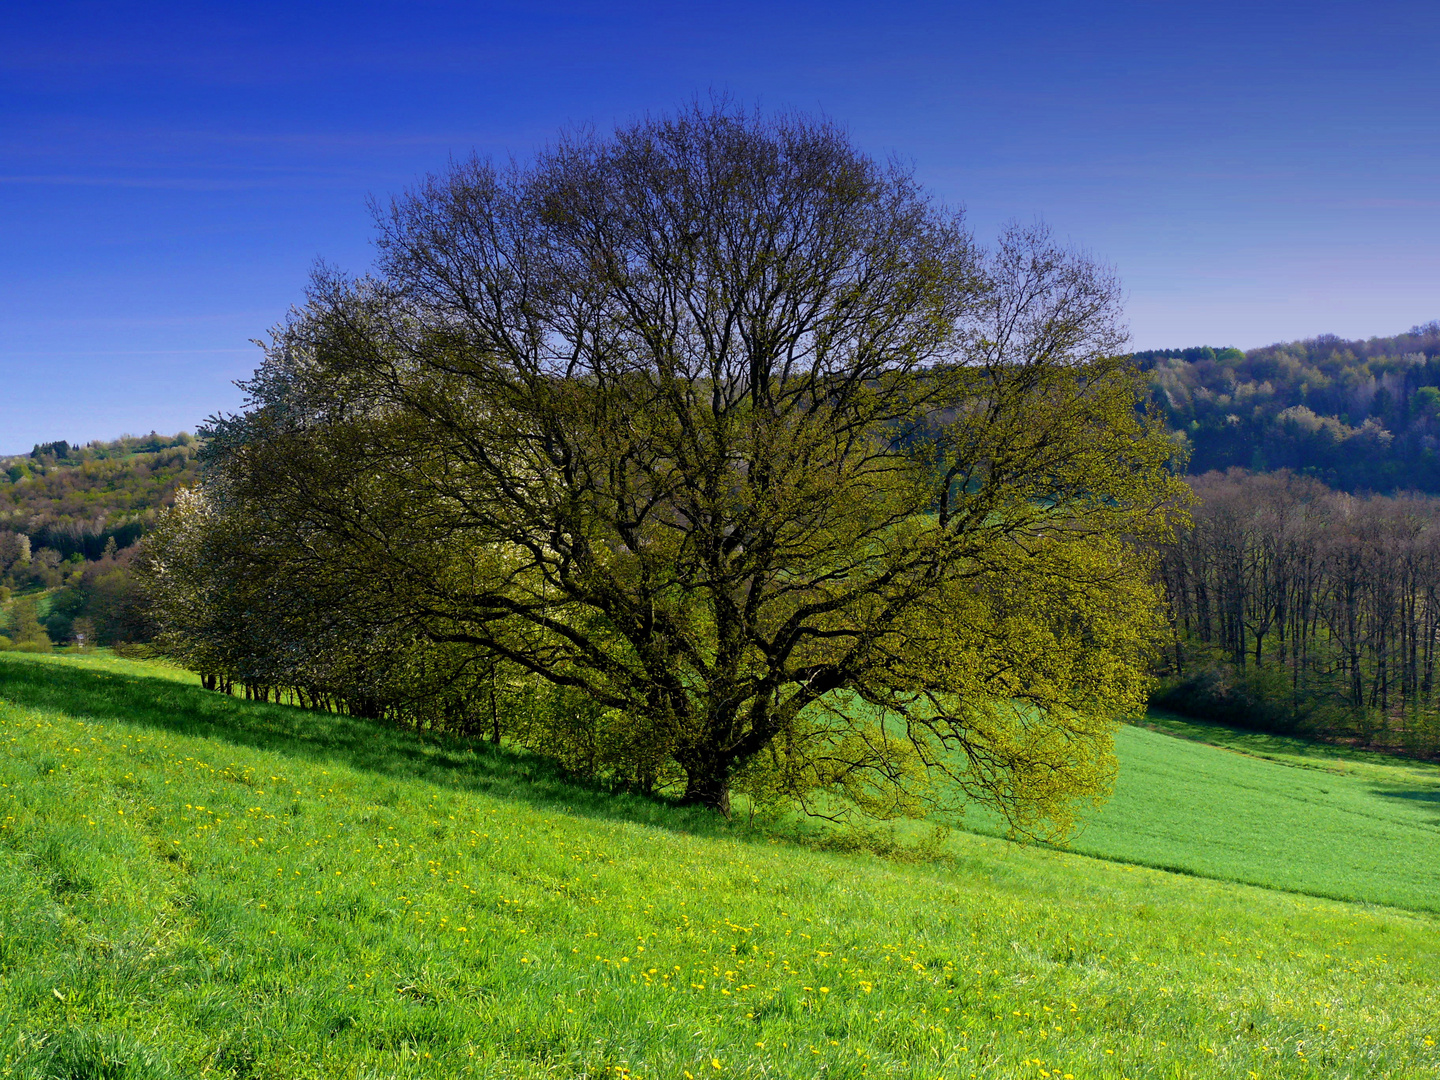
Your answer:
<point x="736" y="440"/>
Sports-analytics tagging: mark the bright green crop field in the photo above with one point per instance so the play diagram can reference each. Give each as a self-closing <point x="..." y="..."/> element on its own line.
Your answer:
<point x="196" y="886"/>
<point x="1271" y="811"/>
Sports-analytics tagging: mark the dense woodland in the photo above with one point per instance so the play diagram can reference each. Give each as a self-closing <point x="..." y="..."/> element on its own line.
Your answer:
<point x="1357" y="415"/>
<point x="1297" y="607"/>
<point x="1304" y="596"/>
<point x="75" y="499"/>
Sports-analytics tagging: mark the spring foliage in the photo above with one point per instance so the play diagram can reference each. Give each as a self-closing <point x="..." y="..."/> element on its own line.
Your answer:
<point x="1357" y="415"/>
<point x="735" y="448"/>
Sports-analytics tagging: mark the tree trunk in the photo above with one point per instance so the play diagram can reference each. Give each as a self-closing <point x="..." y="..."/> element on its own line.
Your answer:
<point x="707" y="784"/>
<point x="494" y="704"/>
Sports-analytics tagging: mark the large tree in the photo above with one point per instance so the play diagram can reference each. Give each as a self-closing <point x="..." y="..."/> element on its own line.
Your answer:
<point x="734" y="432"/>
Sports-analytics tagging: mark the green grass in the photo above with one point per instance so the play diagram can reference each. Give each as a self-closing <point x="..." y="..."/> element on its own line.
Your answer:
<point x="1271" y="811"/>
<point x="1289" y="750"/>
<point x="70" y="658"/>
<point x="197" y="886"/>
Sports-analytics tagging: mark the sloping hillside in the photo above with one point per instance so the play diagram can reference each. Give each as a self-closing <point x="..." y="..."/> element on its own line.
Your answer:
<point x="1357" y="415"/>
<point x="193" y="885"/>
<point x="1274" y="812"/>
<point x="73" y="499"/>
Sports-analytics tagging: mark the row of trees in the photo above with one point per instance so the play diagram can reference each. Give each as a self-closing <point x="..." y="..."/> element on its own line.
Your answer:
<point x="710" y="454"/>
<point x="1301" y="606"/>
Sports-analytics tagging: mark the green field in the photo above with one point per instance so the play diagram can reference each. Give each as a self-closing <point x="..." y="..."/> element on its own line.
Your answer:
<point x="192" y="885"/>
<point x="1271" y="811"/>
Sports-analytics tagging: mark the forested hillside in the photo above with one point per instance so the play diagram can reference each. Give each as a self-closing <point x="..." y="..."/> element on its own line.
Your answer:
<point x="1358" y="415"/>
<point x="69" y="520"/>
<point x="1306" y="595"/>
<point x="73" y="499"/>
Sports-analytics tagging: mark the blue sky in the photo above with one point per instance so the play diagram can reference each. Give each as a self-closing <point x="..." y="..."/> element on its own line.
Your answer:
<point x="170" y="173"/>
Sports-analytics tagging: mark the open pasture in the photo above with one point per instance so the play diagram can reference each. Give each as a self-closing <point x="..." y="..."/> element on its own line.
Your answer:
<point x="1270" y="811"/>
<point x="192" y="885"/>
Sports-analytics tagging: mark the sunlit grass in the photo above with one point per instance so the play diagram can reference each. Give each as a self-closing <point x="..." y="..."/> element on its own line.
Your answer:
<point x="192" y="885"/>
<point x="1292" y="750"/>
<point x="105" y="660"/>
<point x="1270" y="811"/>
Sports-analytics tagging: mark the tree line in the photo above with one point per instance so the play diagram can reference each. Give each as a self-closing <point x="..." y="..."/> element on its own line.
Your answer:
<point x="1301" y="608"/>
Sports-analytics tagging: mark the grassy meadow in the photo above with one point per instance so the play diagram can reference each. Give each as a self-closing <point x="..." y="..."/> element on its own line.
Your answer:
<point x="1270" y="811"/>
<point x="193" y="886"/>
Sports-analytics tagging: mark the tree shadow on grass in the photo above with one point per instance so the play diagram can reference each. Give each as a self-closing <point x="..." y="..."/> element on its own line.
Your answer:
<point x="1230" y="736"/>
<point x="365" y="745"/>
<point x="1295" y="748"/>
<point x="1429" y="796"/>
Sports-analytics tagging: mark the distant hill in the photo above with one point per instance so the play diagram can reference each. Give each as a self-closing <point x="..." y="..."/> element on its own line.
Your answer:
<point x="1358" y="415"/>
<point x="74" y="499"/>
